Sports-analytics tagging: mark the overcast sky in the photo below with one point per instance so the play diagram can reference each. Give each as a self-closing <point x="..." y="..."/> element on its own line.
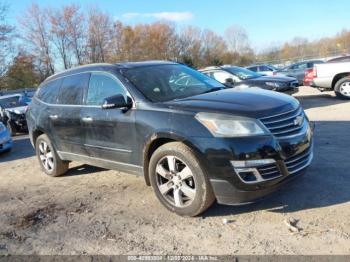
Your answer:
<point x="266" y="21"/>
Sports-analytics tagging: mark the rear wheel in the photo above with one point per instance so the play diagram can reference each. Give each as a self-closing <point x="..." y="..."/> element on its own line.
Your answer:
<point x="179" y="181"/>
<point x="49" y="160"/>
<point x="342" y="88"/>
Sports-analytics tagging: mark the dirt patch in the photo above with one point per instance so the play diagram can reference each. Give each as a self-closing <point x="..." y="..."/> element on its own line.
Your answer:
<point x="12" y="235"/>
<point x="38" y="217"/>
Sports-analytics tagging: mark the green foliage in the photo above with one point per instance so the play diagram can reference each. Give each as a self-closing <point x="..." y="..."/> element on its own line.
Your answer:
<point x="21" y="74"/>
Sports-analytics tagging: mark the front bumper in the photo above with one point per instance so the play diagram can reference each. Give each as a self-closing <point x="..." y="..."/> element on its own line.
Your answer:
<point x="292" y="155"/>
<point x="20" y="124"/>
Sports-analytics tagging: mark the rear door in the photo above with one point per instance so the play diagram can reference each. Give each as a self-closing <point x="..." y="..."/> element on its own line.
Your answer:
<point x="47" y="94"/>
<point x="109" y="133"/>
<point x="65" y="118"/>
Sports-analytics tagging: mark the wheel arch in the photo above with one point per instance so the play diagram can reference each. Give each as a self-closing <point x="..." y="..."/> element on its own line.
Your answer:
<point x="35" y="134"/>
<point x="339" y="76"/>
<point x="155" y="141"/>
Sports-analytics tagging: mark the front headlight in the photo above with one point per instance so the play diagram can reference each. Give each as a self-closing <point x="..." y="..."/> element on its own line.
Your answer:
<point x="221" y="125"/>
<point x="275" y="84"/>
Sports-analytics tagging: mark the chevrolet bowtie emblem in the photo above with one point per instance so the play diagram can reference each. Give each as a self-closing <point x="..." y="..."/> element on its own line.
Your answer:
<point x="298" y="121"/>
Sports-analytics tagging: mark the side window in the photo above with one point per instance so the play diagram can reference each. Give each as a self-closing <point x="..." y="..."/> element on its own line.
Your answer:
<point x="253" y="68"/>
<point x="301" y="66"/>
<point x="102" y="86"/>
<point x="49" y="91"/>
<point x="221" y="76"/>
<point x="311" y="64"/>
<point x="265" y="68"/>
<point x="72" y="89"/>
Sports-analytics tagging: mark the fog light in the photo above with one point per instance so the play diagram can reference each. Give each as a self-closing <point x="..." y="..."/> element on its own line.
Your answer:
<point x="247" y="170"/>
<point x="252" y="163"/>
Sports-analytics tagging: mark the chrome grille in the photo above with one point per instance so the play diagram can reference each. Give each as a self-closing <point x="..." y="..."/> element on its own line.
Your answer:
<point x="285" y="124"/>
<point x="294" y="84"/>
<point x="270" y="171"/>
<point x="294" y="164"/>
<point x="299" y="161"/>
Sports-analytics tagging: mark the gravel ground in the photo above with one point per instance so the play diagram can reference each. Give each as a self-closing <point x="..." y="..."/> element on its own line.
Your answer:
<point x="96" y="211"/>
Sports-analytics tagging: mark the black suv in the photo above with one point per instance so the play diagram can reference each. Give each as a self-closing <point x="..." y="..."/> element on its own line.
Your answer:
<point x="194" y="141"/>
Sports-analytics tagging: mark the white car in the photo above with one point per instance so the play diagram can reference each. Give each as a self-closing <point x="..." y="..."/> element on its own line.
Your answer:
<point x="267" y="70"/>
<point x="333" y="76"/>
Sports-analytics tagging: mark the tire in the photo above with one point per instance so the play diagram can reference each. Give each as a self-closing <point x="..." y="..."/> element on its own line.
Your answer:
<point x="342" y="88"/>
<point x="187" y="175"/>
<point x="49" y="160"/>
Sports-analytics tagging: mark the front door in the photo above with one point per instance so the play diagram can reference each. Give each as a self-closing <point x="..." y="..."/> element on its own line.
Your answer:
<point x="109" y="133"/>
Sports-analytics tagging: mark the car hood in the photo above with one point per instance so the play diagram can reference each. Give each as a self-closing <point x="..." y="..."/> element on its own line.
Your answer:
<point x="277" y="78"/>
<point x="17" y="110"/>
<point x="249" y="102"/>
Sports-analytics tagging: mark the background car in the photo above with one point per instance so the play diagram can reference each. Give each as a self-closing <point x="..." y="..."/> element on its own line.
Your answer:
<point x="235" y="76"/>
<point x="5" y="139"/>
<point x="340" y="59"/>
<point x="265" y="69"/>
<point x="12" y="112"/>
<point x="332" y="76"/>
<point x="297" y="70"/>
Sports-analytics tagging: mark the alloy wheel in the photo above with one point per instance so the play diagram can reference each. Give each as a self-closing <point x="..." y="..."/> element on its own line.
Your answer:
<point x="344" y="89"/>
<point x="46" y="156"/>
<point x="175" y="181"/>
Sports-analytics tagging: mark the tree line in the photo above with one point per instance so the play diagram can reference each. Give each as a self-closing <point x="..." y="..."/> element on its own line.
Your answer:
<point x="46" y="40"/>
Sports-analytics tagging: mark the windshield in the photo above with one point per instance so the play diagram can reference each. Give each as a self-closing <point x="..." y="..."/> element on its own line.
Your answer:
<point x="161" y="83"/>
<point x="242" y="73"/>
<point x="14" y="101"/>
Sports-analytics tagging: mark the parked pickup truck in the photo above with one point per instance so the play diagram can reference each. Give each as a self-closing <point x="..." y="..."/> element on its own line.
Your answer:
<point x="333" y="76"/>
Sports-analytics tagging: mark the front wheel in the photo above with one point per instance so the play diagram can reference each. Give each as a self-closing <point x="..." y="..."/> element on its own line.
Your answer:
<point x="342" y="88"/>
<point x="49" y="160"/>
<point x="179" y="181"/>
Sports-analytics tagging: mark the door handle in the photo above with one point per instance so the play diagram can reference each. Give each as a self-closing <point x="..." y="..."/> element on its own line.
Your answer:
<point x="53" y="117"/>
<point x="87" y="119"/>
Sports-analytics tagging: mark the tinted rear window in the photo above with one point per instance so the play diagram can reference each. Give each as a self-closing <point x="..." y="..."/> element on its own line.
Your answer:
<point x="48" y="92"/>
<point x="72" y="89"/>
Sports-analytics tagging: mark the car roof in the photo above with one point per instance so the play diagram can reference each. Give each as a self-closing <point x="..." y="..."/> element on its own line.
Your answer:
<point x="106" y="66"/>
<point x="223" y="67"/>
<point x="9" y="96"/>
<point x="307" y="61"/>
<point x="144" y="63"/>
<point x="259" y="65"/>
<point x="339" y="58"/>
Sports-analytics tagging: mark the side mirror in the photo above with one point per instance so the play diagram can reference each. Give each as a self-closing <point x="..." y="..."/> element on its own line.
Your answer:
<point x="117" y="101"/>
<point x="229" y="82"/>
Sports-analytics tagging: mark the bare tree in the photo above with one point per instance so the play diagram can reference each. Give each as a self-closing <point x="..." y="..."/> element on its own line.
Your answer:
<point x="59" y="34"/>
<point x="190" y="45"/>
<point x="35" y="31"/>
<point x="213" y="48"/>
<point x="99" y="35"/>
<point x="237" y="39"/>
<point x="76" y="31"/>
